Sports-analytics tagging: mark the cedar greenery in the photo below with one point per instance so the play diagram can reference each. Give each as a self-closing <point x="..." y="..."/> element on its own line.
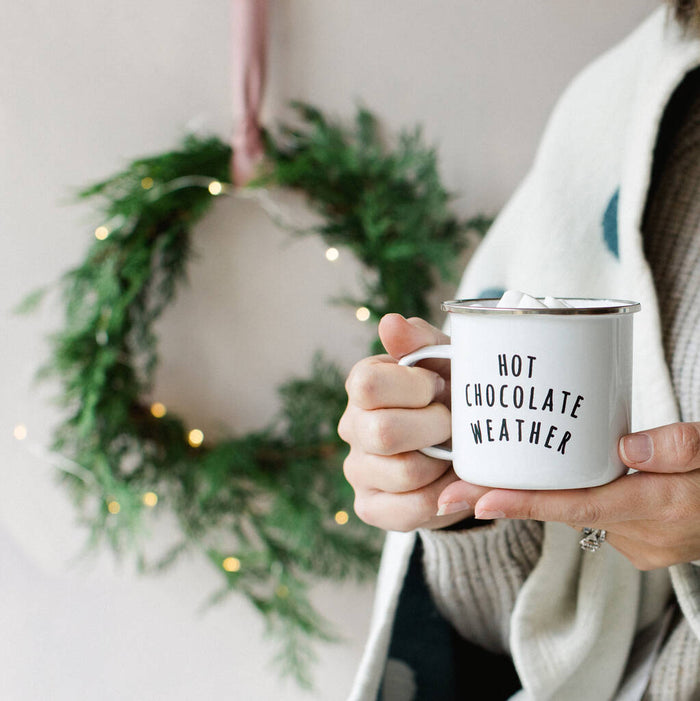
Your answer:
<point x="388" y="207"/>
<point x="265" y="500"/>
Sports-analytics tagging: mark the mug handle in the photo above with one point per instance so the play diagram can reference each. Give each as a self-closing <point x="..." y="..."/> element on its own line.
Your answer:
<point x="441" y="351"/>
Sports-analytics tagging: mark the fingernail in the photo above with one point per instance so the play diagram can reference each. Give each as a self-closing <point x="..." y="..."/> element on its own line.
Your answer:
<point x="486" y="514"/>
<point x="452" y="507"/>
<point x="440" y="384"/>
<point x="637" y="447"/>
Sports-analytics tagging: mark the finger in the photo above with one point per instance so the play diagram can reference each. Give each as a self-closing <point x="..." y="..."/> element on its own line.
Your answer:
<point x="393" y="431"/>
<point x="378" y="382"/>
<point x="460" y="496"/>
<point x="406" y="511"/>
<point x="396" y="473"/>
<point x="649" y="556"/>
<point x="626" y="546"/>
<point x="672" y="448"/>
<point x="646" y="545"/>
<point x="631" y="497"/>
<point x="403" y="336"/>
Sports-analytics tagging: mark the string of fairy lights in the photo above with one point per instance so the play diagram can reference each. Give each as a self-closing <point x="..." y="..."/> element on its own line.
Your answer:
<point x="195" y="436"/>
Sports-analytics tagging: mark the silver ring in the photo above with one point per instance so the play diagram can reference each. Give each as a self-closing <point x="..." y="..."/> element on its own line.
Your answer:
<point x="592" y="539"/>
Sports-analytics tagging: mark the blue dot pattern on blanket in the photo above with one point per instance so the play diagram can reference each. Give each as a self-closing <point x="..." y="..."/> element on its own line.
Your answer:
<point x="491" y="293"/>
<point x="610" y="224"/>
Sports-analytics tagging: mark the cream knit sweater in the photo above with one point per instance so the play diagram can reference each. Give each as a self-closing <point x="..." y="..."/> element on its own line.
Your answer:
<point x="581" y="627"/>
<point x="474" y="575"/>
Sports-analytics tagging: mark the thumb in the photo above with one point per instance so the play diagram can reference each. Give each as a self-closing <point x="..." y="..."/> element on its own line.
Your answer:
<point x="401" y="336"/>
<point x="671" y="448"/>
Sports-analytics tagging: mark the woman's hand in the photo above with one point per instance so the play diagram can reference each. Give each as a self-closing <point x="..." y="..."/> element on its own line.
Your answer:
<point x="392" y="411"/>
<point x="651" y="516"/>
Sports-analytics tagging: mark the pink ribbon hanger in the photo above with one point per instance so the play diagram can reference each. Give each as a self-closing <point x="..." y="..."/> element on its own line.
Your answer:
<point x="249" y="49"/>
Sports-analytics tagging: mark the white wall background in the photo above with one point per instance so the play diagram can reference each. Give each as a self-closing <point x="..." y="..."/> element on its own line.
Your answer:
<point x="86" y="86"/>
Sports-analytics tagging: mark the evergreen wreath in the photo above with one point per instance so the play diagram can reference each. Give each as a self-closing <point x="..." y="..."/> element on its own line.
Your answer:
<point x="270" y="510"/>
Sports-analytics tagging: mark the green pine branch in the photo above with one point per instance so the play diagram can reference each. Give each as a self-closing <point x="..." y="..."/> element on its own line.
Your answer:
<point x="387" y="205"/>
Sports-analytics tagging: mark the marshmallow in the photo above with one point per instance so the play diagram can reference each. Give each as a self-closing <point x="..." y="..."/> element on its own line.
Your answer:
<point x="514" y="299"/>
<point x="556" y="303"/>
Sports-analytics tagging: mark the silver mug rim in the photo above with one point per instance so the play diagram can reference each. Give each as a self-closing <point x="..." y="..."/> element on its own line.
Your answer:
<point x="604" y="306"/>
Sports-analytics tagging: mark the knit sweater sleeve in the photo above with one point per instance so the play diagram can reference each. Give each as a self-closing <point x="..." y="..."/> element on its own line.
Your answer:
<point x="474" y="576"/>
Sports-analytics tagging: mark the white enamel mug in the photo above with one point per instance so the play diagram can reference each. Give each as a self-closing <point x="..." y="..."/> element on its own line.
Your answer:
<point x="540" y="397"/>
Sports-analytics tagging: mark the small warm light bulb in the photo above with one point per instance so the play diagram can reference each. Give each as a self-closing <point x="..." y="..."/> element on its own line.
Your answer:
<point x="20" y="432"/>
<point x="101" y="233"/>
<point x="195" y="438"/>
<point x="231" y="564"/>
<point x="341" y="518"/>
<point x="113" y="507"/>
<point x="362" y="314"/>
<point x="150" y="499"/>
<point x="147" y="183"/>
<point x="158" y="410"/>
<point x="215" y="188"/>
<point x="332" y="254"/>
